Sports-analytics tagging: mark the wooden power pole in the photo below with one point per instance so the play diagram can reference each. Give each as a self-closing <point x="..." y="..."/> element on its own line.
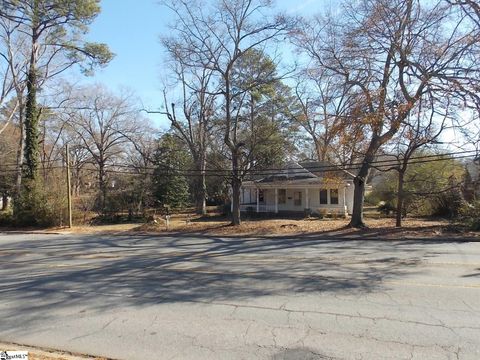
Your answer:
<point x="69" y="187"/>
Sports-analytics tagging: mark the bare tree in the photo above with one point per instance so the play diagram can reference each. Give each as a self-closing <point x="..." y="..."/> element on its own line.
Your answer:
<point x="394" y="53"/>
<point x="216" y="36"/>
<point x="423" y="127"/>
<point x="323" y="110"/>
<point x="140" y="160"/>
<point x="105" y="124"/>
<point x="14" y="66"/>
<point x="8" y="149"/>
<point x="194" y="125"/>
<point x="12" y="69"/>
<point x="54" y="31"/>
<point x="470" y="7"/>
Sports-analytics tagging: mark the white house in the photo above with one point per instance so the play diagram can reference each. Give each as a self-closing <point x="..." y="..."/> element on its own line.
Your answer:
<point x="314" y="186"/>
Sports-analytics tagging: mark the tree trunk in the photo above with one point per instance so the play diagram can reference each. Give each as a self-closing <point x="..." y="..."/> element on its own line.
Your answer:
<point x="320" y="149"/>
<point x="360" y="182"/>
<point x="400" y="198"/>
<point x="102" y="184"/>
<point x="236" y="185"/>
<point x="31" y="116"/>
<point x="77" y="185"/>
<point x="20" y="151"/>
<point x="201" y="189"/>
<point x="5" y="202"/>
<point x="201" y="203"/>
<point x="358" y="198"/>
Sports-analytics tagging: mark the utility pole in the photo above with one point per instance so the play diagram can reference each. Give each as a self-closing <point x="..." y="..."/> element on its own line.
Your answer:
<point x="69" y="187"/>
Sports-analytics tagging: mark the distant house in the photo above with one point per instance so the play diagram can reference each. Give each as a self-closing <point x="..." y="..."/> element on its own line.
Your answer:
<point x="313" y="186"/>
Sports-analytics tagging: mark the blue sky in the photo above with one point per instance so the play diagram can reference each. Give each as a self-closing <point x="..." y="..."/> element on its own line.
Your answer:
<point x="132" y="28"/>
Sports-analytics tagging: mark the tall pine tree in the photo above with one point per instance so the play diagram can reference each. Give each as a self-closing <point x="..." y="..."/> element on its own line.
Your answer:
<point x="55" y="29"/>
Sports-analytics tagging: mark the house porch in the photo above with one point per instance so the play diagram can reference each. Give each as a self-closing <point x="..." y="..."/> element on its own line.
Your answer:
<point x="294" y="199"/>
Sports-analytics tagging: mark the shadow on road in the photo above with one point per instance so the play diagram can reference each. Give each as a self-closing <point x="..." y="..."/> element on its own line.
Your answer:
<point x="64" y="271"/>
<point x="299" y="354"/>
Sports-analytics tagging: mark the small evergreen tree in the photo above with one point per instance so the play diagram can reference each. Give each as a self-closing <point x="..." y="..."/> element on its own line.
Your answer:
<point x="170" y="182"/>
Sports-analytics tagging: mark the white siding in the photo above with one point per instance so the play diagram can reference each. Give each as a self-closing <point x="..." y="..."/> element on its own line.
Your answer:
<point x="344" y="193"/>
<point x="248" y="196"/>
<point x="349" y="196"/>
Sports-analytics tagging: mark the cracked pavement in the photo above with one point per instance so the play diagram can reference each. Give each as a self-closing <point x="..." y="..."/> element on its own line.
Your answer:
<point x="317" y="296"/>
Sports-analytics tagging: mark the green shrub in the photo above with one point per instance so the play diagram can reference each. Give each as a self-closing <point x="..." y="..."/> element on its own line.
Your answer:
<point x="39" y="205"/>
<point x="470" y="215"/>
<point x="6" y="218"/>
<point x="447" y="204"/>
<point x="386" y="207"/>
<point x="374" y="197"/>
<point x="430" y="188"/>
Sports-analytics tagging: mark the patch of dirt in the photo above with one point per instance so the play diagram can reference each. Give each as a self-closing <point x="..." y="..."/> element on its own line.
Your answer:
<point x="99" y="229"/>
<point x="214" y="225"/>
<point x="383" y="227"/>
<point x="35" y="353"/>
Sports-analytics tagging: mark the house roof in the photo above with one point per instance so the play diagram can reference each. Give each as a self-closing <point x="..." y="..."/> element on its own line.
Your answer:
<point x="327" y="169"/>
<point x="308" y="172"/>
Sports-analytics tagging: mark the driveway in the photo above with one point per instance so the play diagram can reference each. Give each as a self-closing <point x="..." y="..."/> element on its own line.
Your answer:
<point x="322" y="296"/>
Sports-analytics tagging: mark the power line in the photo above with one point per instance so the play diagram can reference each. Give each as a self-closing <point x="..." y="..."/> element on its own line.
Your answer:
<point x="225" y="173"/>
<point x="273" y="171"/>
<point x="228" y="172"/>
<point x="16" y="170"/>
<point x="331" y="167"/>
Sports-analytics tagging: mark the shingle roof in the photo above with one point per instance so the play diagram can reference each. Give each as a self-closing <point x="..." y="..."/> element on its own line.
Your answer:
<point x="306" y="172"/>
<point x="326" y="169"/>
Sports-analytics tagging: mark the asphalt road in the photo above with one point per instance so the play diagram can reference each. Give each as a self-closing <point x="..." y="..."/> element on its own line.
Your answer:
<point x="194" y="297"/>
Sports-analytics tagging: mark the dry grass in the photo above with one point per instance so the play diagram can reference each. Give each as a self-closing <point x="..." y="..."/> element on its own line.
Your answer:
<point x="275" y="227"/>
<point x="184" y="223"/>
<point x="99" y="229"/>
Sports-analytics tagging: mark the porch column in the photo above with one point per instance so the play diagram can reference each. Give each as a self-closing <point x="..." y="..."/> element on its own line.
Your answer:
<point x="345" y="200"/>
<point x="307" y="200"/>
<point x="276" y="201"/>
<point x="258" y="200"/>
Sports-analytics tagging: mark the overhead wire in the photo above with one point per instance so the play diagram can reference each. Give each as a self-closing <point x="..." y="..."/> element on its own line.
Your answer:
<point x="143" y="171"/>
<point x="270" y="171"/>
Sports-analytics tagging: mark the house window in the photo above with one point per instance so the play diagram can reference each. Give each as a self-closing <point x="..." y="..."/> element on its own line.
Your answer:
<point x="334" y="196"/>
<point x="297" y="198"/>
<point x="323" y="196"/>
<point x="261" y="196"/>
<point x="282" y="196"/>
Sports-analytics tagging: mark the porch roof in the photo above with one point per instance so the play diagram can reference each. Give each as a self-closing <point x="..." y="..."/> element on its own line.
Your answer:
<point x="299" y="183"/>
